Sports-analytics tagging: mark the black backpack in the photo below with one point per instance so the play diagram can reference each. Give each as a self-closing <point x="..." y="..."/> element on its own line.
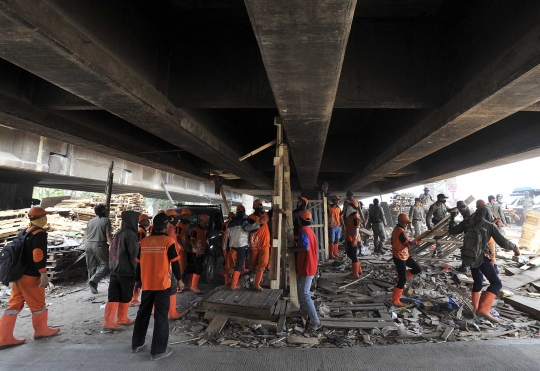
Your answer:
<point x="11" y="258"/>
<point x="472" y="252"/>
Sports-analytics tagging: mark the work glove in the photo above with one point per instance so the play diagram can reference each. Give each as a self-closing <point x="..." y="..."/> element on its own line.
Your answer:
<point x="138" y="285"/>
<point x="44" y="280"/>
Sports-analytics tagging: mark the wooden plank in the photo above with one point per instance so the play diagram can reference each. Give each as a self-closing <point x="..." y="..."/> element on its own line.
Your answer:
<point x="218" y="296"/>
<point x="277" y="307"/>
<point x="280" y="328"/>
<point x="271" y="299"/>
<point x="329" y="286"/>
<point x="217" y="324"/>
<point x="325" y="231"/>
<point x="277" y="201"/>
<point x="283" y="310"/>
<point x="294" y="339"/>
<point x="242" y="298"/>
<point x="356" y="325"/>
<point x="257" y="299"/>
<point x="525" y="304"/>
<point x="293" y="291"/>
<point x="488" y="334"/>
<point x="240" y="320"/>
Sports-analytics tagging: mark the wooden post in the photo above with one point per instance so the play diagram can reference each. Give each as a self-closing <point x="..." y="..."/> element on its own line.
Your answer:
<point x="289" y="228"/>
<point x="326" y="235"/>
<point x="108" y="188"/>
<point x="277" y="200"/>
<point x="224" y="198"/>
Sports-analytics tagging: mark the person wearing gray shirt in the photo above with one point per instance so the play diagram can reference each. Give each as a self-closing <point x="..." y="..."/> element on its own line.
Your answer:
<point x="437" y="211"/>
<point x="417" y="216"/>
<point x="98" y="236"/>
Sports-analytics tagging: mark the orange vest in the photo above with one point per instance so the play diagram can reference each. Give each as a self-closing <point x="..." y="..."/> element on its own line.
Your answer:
<point x="182" y="234"/>
<point x="399" y="250"/>
<point x="334" y="216"/>
<point x="155" y="263"/>
<point x="260" y="239"/>
<point x="353" y="222"/>
<point x="200" y="239"/>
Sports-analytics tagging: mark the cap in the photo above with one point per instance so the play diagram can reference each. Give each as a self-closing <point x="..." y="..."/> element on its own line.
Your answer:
<point x="300" y="198"/>
<point x="144" y="217"/>
<point x="460" y="205"/>
<point x="426" y="189"/>
<point x="230" y="215"/>
<point x="335" y="197"/>
<point x="161" y="219"/>
<point x="499" y="195"/>
<point x="257" y="202"/>
<point x="491" y="197"/>
<point x="172" y="212"/>
<point x="481" y="203"/>
<point x="403" y="218"/>
<point x="204" y="218"/>
<point x="161" y="211"/>
<point x="416" y="199"/>
<point x="185" y="211"/>
<point x="37" y="212"/>
<point x="240" y="208"/>
<point x="441" y="196"/>
<point x="305" y="215"/>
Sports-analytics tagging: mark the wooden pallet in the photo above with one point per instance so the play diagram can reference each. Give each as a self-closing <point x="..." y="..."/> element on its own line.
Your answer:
<point x="245" y="302"/>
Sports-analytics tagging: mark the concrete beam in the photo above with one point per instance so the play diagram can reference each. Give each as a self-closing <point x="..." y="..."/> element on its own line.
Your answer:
<point x="39" y="39"/>
<point x="512" y="139"/>
<point x="510" y="83"/>
<point x="302" y="46"/>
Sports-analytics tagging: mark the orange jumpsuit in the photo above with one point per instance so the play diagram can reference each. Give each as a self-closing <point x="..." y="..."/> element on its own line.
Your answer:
<point x="259" y="245"/>
<point x="182" y="236"/>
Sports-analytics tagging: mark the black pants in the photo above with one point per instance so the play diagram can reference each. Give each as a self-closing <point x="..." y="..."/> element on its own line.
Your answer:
<point x="196" y="264"/>
<point x="160" y="301"/>
<point x="351" y="252"/>
<point x="401" y="266"/>
<point x="241" y="253"/>
<point x="121" y="288"/>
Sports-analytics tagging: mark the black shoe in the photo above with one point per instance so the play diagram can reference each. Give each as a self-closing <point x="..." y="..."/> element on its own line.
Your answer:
<point x="137" y="349"/>
<point x="165" y="354"/>
<point x="462" y="269"/>
<point x="93" y="287"/>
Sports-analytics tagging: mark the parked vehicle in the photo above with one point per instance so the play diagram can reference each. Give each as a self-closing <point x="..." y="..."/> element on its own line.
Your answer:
<point x="214" y="253"/>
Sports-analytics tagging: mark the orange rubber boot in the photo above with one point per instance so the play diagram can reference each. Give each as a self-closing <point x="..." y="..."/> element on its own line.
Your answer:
<point x="227" y="278"/>
<point x="484" y="306"/>
<point x="173" y="314"/>
<point x="121" y="317"/>
<point x="257" y="282"/>
<point x="135" y="299"/>
<point x="476" y="300"/>
<point x="409" y="275"/>
<point x="41" y="329"/>
<point x="335" y="251"/>
<point x="355" y="270"/>
<point x="396" y="294"/>
<point x="195" y="283"/>
<point x="110" y="313"/>
<point x="234" y="282"/>
<point x="7" y="325"/>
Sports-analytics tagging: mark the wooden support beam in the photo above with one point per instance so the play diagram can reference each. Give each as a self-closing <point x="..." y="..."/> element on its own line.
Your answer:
<point x="277" y="201"/>
<point x="260" y="149"/>
<point x="326" y="235"/>
<point x="288" y="227"/>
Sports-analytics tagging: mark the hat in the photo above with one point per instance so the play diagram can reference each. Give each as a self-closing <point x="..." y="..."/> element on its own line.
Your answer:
<point x="491" y="197"/>
<point x="305" y="215"/>
<point x="426" y="189"/>
<point x="481" y="203"/>
<point x="257" y="202"/>
<point x="416" y="199"/>
<point x="161" y="211"/>
<point x="161" y="219"/>
<point x="441" y="196"/>
<point x="204" y="218"/>
<point x="185" y="211"/>
<point x="230" y="215"/>
<point x="172" y="212"/>
<point x="335" y="197"/>
<point x="300" y="198"/>
<point x="144" y="217"/>
<point x="240" y="208"/>
<point x="403" y="218"/>
<point x="460" y="205"/>
<point x="37" y="212"/>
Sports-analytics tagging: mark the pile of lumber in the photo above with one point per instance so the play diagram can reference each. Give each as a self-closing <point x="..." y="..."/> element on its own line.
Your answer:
<point x="11" y="222"/>
<point x="530" y="234"/>
<point x="65" y="257"/>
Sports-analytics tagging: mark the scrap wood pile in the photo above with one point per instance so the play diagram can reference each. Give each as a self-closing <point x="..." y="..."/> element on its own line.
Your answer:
<point x="11" y="222"/>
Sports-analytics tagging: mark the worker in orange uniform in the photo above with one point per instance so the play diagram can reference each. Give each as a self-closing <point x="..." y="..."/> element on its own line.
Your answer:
<point x="259" y="243"/>
<point x="122" y="264"/>
<point x="352" y="237"/>
<point x="142" y="232"/>
<point x="307" y="260"/>
<point x="182" y="236"/>
<point x="223" y="272"/>
<point x="198" y="250"/>
<point x="402" y="260"/>
<point x="334" y="214"/>
<point x="175" y="285"/>
<point x="157" y="257"/>
<point x="30" y="288"/>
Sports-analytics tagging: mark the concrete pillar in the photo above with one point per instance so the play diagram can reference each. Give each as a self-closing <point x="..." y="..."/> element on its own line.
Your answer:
<point x="15" y="196"/>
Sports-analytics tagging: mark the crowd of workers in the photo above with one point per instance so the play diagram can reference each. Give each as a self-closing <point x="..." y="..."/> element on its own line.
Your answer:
<point x="149" y="261"/>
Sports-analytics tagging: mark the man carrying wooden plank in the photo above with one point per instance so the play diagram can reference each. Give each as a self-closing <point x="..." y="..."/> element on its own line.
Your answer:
<point x="259" y="243"/>
<point x="98" y="237"/>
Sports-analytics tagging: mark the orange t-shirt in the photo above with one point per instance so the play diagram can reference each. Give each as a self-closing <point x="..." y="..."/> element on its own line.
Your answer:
<point x="155" y="262"/>
<point x="199" y="236"/>
<point x="334" y="216"/>
<point x="400" y="243"/>
<point x="353" y="222"/>
<point x="260" y="239"/>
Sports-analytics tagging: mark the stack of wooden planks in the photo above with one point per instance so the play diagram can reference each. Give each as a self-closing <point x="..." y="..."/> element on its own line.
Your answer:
<point x="11" y="222"/>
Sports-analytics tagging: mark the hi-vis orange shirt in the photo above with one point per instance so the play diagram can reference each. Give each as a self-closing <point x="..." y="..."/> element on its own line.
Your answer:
<point x="353" y="222"/>
<point x="199" y="236"/>
<point x="155" y="262"/>
<point x="400" y="243"/>
<point x="260" y="238"/>
<point x="182" y="234"/>
<point x="334" y="215"/>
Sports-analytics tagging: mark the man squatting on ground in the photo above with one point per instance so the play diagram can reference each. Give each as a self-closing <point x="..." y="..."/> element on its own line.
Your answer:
<point x="157" y="257"/>
<point x="30" y="288"/>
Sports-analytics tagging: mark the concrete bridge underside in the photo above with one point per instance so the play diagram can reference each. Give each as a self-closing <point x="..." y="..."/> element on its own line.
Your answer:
<point x="375" y="95"/>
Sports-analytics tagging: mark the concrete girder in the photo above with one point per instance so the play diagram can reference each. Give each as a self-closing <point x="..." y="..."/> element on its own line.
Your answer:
<point x="508" y="84"/>
<point x="512" y="139"/>
<point x="26" y="117"/>
<point x="37" y="38"/>
<point x="302" y="46"/>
